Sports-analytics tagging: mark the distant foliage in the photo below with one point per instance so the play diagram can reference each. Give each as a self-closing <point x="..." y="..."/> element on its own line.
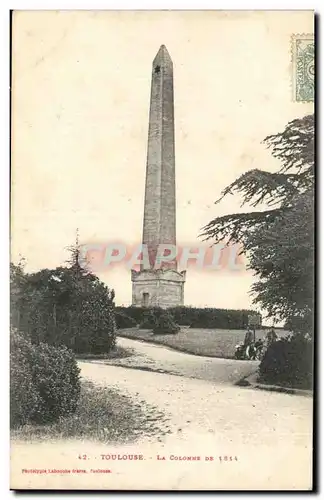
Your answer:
<point x="231" y="319"/>
<point x="288" y="362"/>
<point x="192" y="316"/>
<point x="44" y="381"/>
<point x="165" y="324"/>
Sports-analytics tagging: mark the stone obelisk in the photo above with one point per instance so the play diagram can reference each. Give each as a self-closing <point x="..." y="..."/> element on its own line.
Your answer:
<point x="162" y="286"/>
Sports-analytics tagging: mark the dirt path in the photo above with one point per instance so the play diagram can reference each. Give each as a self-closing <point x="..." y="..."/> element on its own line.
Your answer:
<point x="165" y="360"/>
<point x="268" y="436"/>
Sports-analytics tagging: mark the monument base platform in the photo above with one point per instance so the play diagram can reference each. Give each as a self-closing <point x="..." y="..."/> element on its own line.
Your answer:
<point x="158" y="288"/>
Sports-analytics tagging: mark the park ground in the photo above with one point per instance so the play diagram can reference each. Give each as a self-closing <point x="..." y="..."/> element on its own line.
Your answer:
<point x="266" y="437"/>
<point x="218" y="343"/>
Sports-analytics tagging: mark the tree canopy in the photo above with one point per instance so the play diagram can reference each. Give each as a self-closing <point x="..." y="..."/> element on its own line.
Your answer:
<point x="65" y="305"/>
<point x="278" y="238"/>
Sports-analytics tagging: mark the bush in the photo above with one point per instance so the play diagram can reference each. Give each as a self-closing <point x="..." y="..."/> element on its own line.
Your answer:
<point x="288" y="362"/>
<point x="44" y="381"/>
<point x="96" y="333"/>
<point x="24" y="397"/>
<point x="124" y="321"/>
<point x="64" y="306"/>
<point x="150" y="317"/>
<point x="165" y="324"/>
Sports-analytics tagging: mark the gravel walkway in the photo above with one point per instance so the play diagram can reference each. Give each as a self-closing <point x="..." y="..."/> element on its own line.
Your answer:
<point x="266" y="436"/>
<point x="162" y="359"/>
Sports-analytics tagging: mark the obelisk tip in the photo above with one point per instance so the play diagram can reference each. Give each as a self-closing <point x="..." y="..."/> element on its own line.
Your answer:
<point x="162" y="56"/>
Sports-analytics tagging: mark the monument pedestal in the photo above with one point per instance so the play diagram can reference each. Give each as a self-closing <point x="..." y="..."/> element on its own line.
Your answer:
<point x="158" y="288"/>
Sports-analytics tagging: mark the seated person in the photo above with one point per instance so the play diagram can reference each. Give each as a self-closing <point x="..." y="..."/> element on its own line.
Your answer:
<point x="271" y="336"/>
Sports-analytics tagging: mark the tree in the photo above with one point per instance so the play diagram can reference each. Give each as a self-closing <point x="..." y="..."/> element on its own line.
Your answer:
<point x="278" y="238"/>
<point x="66" y="306"/>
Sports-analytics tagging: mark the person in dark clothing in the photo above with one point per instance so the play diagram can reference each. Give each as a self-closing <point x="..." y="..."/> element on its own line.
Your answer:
<point x="248" y="342"/>
<point x="248" y="339"/>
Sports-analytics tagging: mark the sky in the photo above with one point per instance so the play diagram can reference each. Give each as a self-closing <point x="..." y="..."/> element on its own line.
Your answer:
<point x="80" y="107"/>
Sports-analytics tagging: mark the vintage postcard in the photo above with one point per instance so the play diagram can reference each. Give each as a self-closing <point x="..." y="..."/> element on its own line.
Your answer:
<point x="162" y="250"/>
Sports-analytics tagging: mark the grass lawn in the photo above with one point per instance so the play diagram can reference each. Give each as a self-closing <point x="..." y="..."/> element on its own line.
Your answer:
<point x="215" y="343"/>
<point x="116" y="353"/>
<point x="103" y="415"/>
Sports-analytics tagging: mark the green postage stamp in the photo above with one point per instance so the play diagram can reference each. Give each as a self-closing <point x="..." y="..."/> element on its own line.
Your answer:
<point x="303" y="58"/>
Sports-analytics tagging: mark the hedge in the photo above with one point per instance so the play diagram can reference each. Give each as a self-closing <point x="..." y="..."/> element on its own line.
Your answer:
<point x="195" y="317"/>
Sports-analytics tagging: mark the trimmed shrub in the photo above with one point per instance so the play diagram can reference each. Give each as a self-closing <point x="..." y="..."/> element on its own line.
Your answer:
<point x="44" y="381"/>
<point x="165" y="324"/>
<point x="288" y="362"/>
<point x="56" y="375"/>
<point x="124" y="321"/>
<point x="95" y="332"/>
<point x="24" y="397"/>
<point x="150" y="317"/>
